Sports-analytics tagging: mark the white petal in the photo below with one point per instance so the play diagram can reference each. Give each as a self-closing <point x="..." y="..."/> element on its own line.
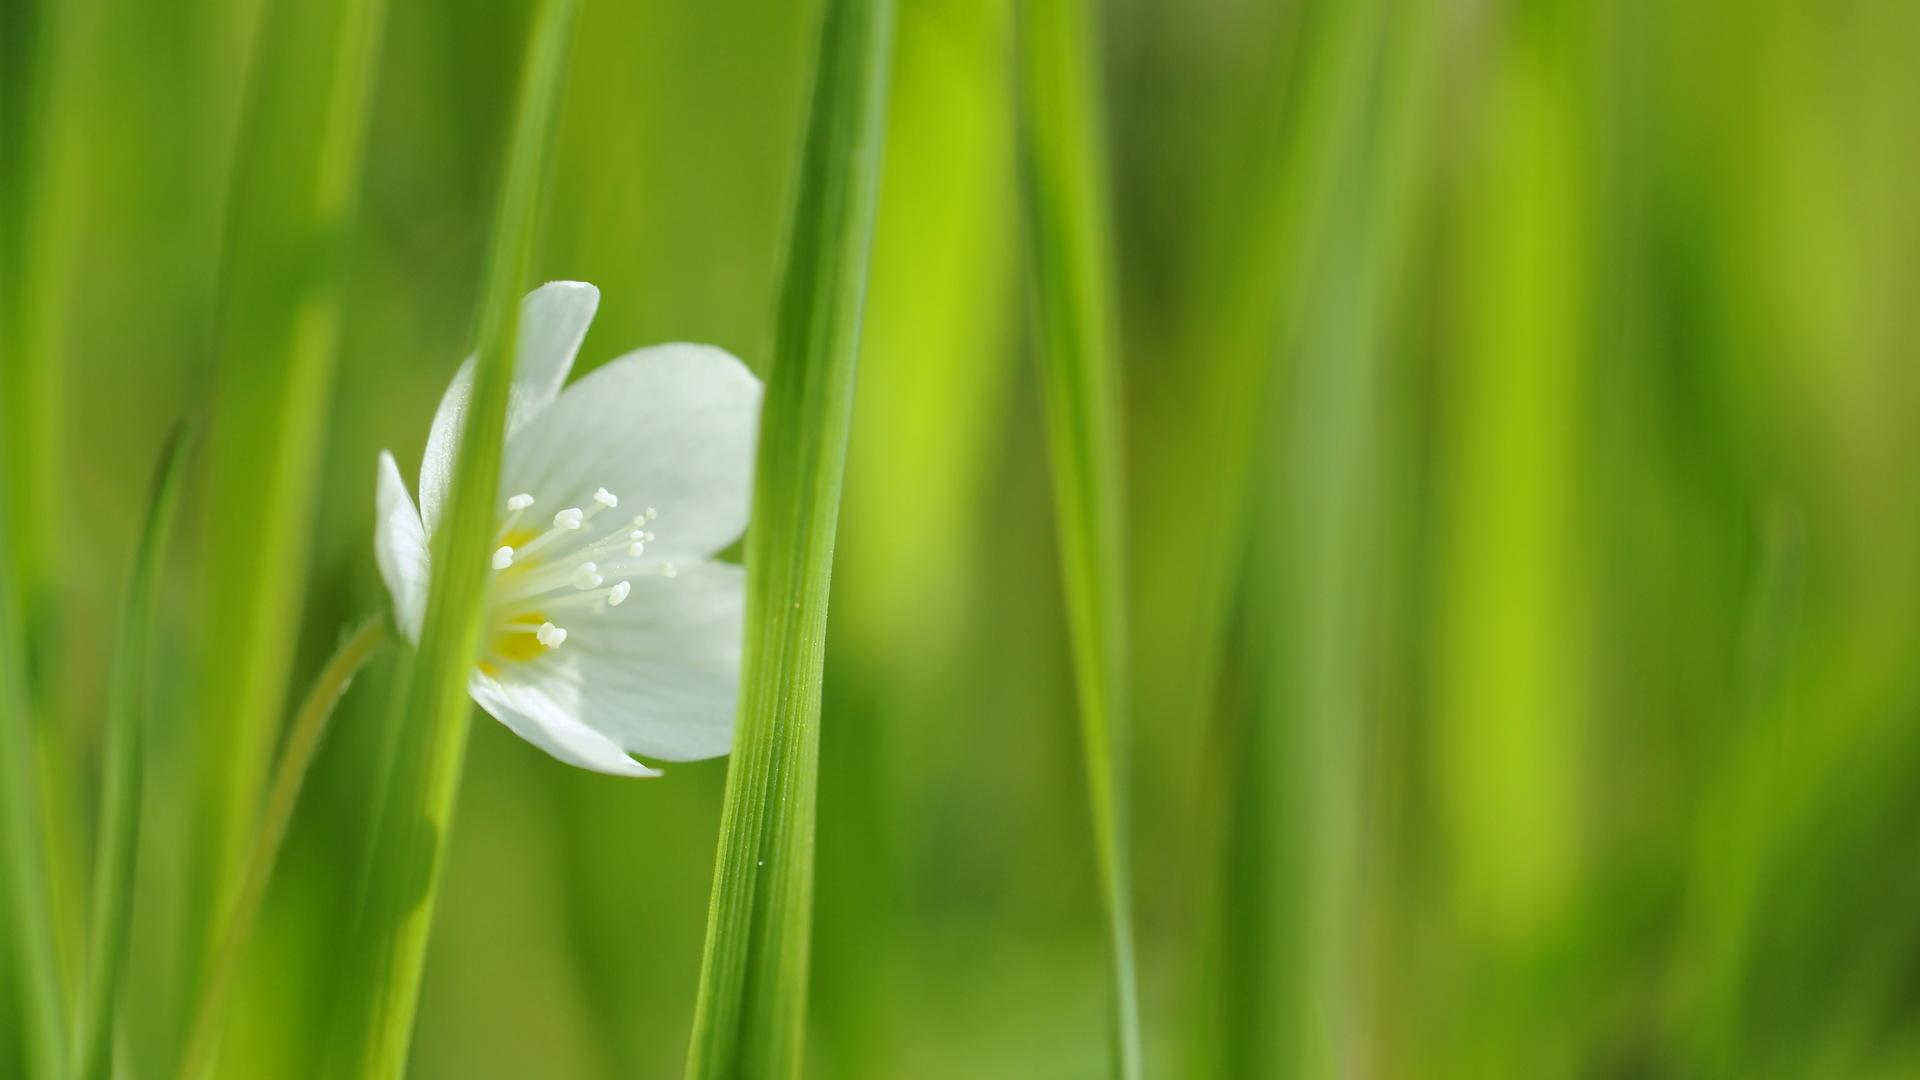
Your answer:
<point x="670" y="427"/>
<point x="553" y="320"/>
<point x="550" y="724"/>
<point x="658" y="675"/>
<point x="400" y="547"/>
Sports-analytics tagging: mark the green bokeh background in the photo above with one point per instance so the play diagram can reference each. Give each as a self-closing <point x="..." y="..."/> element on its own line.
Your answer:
<point x="1523" y="443"/>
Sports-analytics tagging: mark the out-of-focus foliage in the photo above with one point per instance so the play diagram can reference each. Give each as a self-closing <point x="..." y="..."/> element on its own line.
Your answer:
<point x="1522" y="416"/>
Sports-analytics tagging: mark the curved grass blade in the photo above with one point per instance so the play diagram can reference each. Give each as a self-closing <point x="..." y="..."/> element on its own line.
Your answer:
<point x="28" y="923"/>
<point x="383" y="987"/>
<point x="751" y="1015"/>
<point x="121" y="775"/>
<point x="1063" y="166"/>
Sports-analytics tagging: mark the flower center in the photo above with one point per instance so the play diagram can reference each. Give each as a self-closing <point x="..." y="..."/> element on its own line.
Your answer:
<point x="545" y="580"/>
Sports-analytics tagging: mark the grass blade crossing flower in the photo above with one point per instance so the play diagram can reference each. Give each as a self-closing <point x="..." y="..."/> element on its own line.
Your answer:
<point x="607" y="626"/>
<point x="751" y="1014"/>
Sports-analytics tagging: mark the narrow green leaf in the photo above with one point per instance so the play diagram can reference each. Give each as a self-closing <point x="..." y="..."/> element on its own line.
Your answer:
<point x="121" y="775"/>
<point x="43" y="173"/>
<point x="38" y="68"/>
<point x="751" y="1016"/>
<point x="1064" y="169"/>
<point x="293" y="203"/>
<point x="27" y="923"/>
<point x="1315" y="585"/>
<point x="383" y="986"/>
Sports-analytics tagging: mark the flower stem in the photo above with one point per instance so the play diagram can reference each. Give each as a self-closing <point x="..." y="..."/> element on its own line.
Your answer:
<point x="309" y="728"/>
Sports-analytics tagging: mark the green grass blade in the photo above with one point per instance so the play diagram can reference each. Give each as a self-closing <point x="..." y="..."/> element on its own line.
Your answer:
<point x="28" y="923"/>
<point x="1317" y="592"/>
<point x="293" y="205"/>
<point x="121" y="776"/>
<point x="1068" y="221"/>
<point x="751" y="1015"/>
<point x="409" y="849"/>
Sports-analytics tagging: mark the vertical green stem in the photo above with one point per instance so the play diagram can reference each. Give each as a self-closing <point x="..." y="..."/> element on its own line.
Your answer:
<point x="121" y="769"/>
<point x="28" y="922"/>
<point x="304" y="736"/>
<point x="751" y="1016"/>
<point x="1064" y="165"/>
<point x="378" y="1000"/>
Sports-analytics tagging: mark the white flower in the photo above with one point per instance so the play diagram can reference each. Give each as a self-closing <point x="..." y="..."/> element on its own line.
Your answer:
<point x="609" y="628"/>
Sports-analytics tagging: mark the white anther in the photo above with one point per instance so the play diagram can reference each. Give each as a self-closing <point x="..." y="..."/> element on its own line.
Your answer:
<point x="636" y="549"/>
<point x="587" y="577"/>
<point x="570" y="518"/>
<point x="520" y="501"/>
<point x="648" y="538"/>
<point x="503" y="558"/>
<point x="667" y="570"/>
<point x="618" y="593"/>
<point x="637" y="534"/>
<point x="606" y="498"/>
<point x="652" y="513"/>
<point x="550" y="635"/>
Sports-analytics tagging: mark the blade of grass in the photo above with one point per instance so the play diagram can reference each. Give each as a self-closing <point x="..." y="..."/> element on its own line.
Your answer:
<point x="378" y="1000"/>
<point x="1277" y="227"/>
<point x="1064" y="169"/>
<point x="1318" y="591"/>
<point x="751" y="1015"/>
<point x="293" y="205"/>
<point x="304" y="736"/>
<point x="28" y="923"/>
<point x="55" y="92"/>
<point x="121" y="769"/>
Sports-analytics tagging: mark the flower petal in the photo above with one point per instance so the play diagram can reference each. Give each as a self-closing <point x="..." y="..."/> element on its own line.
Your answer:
<point x="670" y="427"/>
<point x="548" y="723"/>
<point x="658" y="675"/>
<point x="400" y="547"/>
<point x="553" y="320"/>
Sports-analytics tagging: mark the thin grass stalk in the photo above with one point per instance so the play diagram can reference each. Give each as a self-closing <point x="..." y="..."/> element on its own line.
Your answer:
<point x="409" y="850"/>
<point x="292" y="210"/>
<point x="1310" y="127"/>
<point x="750" y="1018"/>
<point x="304" y="737"/>
<point x="1320" y="564"/>
<point x="122" y="771"/>
<point x="1064" y="169"/>
<point x="28" y="923"/>
<point x="51" y="155"/>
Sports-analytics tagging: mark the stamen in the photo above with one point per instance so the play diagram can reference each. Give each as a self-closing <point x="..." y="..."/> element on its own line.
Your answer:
<point x="519" y="502"/>
<point x="606" y="498"/>
<point x="618" y="593"/>
<point x="503" y="558"/>
<point x="569" y="519"/>
<point x="550" y="635"/>
<point x="652" y="513"/>
<point x="667" y="571"/>
<point x="587" y="576"/>
<point x="636" y="549"/>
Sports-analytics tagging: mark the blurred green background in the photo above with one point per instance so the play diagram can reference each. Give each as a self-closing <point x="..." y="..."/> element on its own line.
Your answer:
<point x="1523" y="435"/>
